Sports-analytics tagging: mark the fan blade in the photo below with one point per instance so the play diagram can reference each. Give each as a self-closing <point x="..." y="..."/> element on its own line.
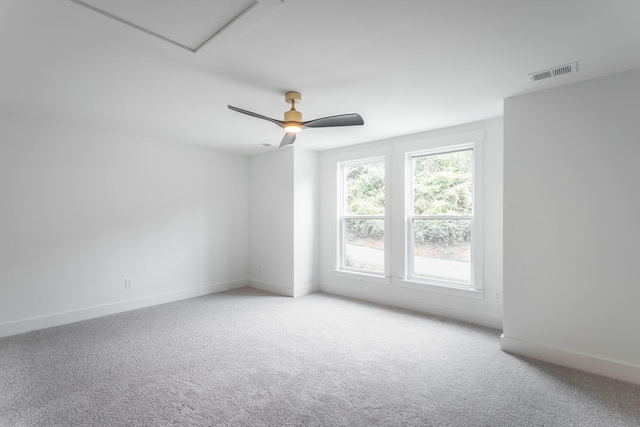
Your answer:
<point x="259" y="116"/>
<point x="288" y="139"/>
<point x="352" y="119"/>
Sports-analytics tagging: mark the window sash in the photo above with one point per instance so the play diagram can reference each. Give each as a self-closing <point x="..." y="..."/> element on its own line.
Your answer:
<point x="344" y="216"/>
<point x="344" y="242"/>
<point x="411" y="217"/>
<point x="435" y="152"/>
<point x="442" y="217"/>
<point x="411" y="244"/>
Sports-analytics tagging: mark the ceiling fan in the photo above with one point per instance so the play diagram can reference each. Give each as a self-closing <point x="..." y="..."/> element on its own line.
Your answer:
<point x="293" y="123"/>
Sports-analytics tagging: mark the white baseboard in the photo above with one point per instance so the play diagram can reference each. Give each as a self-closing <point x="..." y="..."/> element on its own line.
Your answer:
<point x="57" y="319"/>
<point x="300" y="291"/>
<point x="296" y="292"/>
<point x="583" y="362"/>
<point x="270" y="287"/>
<point x="415" y="305"/>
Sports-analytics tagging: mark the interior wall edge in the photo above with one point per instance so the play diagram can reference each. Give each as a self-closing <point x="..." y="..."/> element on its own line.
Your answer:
<point x="58" y="319"/>
<point x="584" y="362"/>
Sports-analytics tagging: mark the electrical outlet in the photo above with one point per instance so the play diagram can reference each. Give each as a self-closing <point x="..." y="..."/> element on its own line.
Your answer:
<point x="128" y="282"/>
<point x="497" y="296"/>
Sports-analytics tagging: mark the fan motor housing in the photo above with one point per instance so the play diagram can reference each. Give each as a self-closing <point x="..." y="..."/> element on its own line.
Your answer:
<point x="292" y="116"/>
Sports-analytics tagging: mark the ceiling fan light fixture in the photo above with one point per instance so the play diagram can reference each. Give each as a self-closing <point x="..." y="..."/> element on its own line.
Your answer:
<point x="292" y="119"/>
<point x="292" y="128"/>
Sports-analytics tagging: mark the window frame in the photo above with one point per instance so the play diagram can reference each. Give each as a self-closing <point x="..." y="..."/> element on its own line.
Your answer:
<point x="339" y="265"/>
<point x="404" y="154"/>
<point x="395" y="151"/>
<point x="411" y="215"/>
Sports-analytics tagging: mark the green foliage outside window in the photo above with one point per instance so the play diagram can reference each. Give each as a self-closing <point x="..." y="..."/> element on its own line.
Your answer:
<point x="442" y="186"/>
<point x="365" y="196"/>
<point x="365" y="189"/>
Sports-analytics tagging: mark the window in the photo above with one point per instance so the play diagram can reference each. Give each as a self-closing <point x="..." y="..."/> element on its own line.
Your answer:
<point x="362" y="219"/>
<point x="440" y="215"/>
<point x="413" y="219"/>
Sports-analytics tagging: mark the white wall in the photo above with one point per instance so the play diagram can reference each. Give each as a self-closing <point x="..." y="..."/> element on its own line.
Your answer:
<point x="485" y="311"/>
<point x="283" y="221"/>
<point x="570" y="228"/>
<point x="306" y="203"/>
<point x="271" y="221"/>
<point x="82" y="209"/>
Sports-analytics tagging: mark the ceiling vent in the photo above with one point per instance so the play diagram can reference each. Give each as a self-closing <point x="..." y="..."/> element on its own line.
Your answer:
<point x="553" y="72"/>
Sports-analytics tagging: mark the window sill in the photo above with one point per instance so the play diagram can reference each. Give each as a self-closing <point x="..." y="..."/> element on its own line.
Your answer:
<point x="374" y="278"/>
<point x="442" y="289"/>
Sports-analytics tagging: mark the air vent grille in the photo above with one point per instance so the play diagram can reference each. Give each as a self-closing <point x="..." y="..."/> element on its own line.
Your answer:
<point x="553" y="72"/>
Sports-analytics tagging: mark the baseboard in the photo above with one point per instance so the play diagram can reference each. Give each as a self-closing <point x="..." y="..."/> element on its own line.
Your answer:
<point x="583" y="362"/>
<point x="296" y="292"/>
<point x="270" y="287"/>
<point x="57" y="319"/>
<point x="415" y="305"/>
<point x="300" y="291"/>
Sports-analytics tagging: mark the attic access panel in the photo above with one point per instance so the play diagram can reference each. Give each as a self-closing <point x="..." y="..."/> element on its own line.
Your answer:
<point x="188" y="24"/>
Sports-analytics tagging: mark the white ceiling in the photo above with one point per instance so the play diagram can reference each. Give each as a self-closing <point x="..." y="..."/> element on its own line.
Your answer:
<point x="404" y="65"/>
<point x="188" y="24"/>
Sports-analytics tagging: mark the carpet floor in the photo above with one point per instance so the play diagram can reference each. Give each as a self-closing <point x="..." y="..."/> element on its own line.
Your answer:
<point x="250" y="358"/>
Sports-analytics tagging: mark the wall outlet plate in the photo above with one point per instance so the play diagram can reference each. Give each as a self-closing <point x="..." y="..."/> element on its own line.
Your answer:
<point x="128" y="282"/>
